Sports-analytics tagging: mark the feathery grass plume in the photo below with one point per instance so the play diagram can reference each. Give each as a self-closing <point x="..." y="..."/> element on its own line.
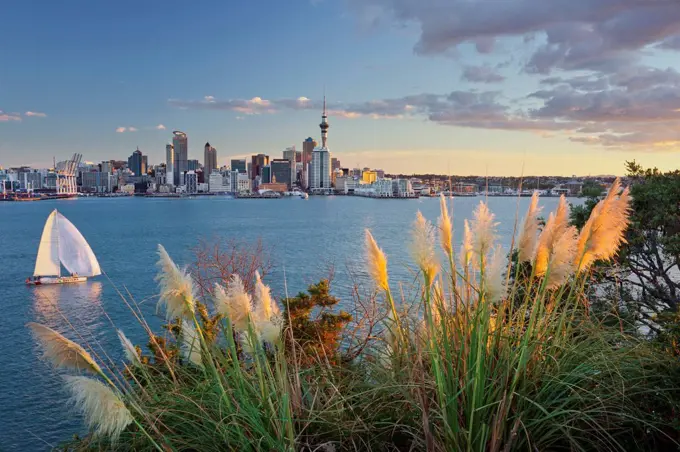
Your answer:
<point x="62" y="352"/>
<point x="422" y="247"/>
<point x="268" y="319"/>
<point x="561" y="217"/>
<point x="562" y="258"/>
<point x="103" y="410"/>
<point x="493" y="276"/>
<point x="484" y="231"/>
<point x="603" y="233"/>
<point x="529" y="234"/>
<point x="177" y="287"/>
<point x="270" y="331"/>
<point x="129" y="349"/>
<point x="544" y="246"/>
<point x="235" y="303"/>
<point x="190" y="347"/>
<point x="466" y="256"/>
<point x="377" y="262"/>
<point x="445" y="228"/>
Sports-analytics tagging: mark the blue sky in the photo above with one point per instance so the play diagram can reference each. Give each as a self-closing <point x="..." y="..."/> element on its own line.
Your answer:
<point x="466" y="87"/>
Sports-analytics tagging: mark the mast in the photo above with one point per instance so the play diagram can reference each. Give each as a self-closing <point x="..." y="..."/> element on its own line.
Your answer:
<point x="324" y="124"/>
<point x="56" y="221"/>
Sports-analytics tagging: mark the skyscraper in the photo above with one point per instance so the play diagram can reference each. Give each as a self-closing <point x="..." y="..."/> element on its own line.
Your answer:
<point x="307" y="148"/>
<point x="239" y="165"/>
<point x="209" y="159"/>
<point x="193" y="164"/>
<point x="169" y="163"/>
<point x="290" y="155"/>
<point x="145" y="164"/>
<point x="335" y="164"/>
<point x="135" y="162"/>
<point x="180" y="165"/>
<point x="280" y="169"/>
<point x="258" y="162"/>
<point x="320" y="167"/>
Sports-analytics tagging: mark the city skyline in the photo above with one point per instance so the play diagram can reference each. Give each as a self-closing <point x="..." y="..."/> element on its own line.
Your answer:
<point x="411" y="86"/>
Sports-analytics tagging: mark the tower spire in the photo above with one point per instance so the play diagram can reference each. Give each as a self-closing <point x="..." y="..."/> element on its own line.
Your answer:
<point x="324" y="124"/>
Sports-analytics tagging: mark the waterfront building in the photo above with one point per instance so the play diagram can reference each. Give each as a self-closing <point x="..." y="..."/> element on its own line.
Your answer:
<point x="145" y="165"/>
<point x="216" y="183"/>
<point x="345" y="184"/>
<point x="258" y="162"/>
<point x="202" y="187"/>
<point x="239" y="182"/>
<point x="335" y="164"/>
<point x="265" y="175"/>
<point x="290" y="154"/>
<point x="135" y="163"/>
<point x="191" y="182"/>
<point x="274" y="186"/>
<point x="160" y="175"/>
<point x="320" y="166"/>
<point x="31" y="179"/>
<point x="180" y="165"/>
<point x="209" y="159"/>
<point x="281" y="171"/>
<point x="368" y="177"/>
<point x="239" y="165"/>
<point x="307" y="149"/>
<point x="380" y="174"/>
<point x="96" y="182"/>
<point x="169" y="162"/>
<point x="106" y="166"/>
<point x="402" y="188"/>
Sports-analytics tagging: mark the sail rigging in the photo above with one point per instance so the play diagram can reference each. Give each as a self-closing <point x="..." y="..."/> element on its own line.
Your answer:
<point x="62" y="243"/>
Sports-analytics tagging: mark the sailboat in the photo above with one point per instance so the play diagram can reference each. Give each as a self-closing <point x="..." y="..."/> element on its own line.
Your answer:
<point x="63" y="244"/>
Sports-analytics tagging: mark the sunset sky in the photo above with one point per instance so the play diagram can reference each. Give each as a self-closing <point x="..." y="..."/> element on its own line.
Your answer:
<point x="500" y="87"/>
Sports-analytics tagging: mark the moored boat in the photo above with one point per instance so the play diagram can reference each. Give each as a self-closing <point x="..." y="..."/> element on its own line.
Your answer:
<point x="62" y="244"/>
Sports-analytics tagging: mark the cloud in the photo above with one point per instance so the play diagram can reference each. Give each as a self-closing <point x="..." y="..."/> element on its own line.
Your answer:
<point x="253" y="106"/>
<point x="481" y="74"/>
<point x="121" y="130"/>
<point x="7" y="117"/>
<point x="132" y="129"/>
<point x="160" y="127"/>
<point x="126" y="129"/>
<point x="36" y="114"/>
<point x="671" y="43"/>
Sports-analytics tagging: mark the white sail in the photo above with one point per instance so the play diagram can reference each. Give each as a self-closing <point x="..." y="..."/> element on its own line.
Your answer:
<point x="47" y="262"/>
<point x="75" y="253"/>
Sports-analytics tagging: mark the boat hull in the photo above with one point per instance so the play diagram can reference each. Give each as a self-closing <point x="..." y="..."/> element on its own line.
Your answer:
<point x="57" y="280"/>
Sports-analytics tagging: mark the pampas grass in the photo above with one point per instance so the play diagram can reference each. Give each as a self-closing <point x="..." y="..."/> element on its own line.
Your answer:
<point x="102" y="409"/>
<point x="483" y="232"/>
<point x="445" y="228"/>
<point x="268" y="320"/>
<point x="493" y="286"/>
<point x="234" y="303"/>
<point x="377" y="262"/>
<point x="466" y="256"/>
<point x="603" y="233"/>
<point x="422" y="247"/>
<point x="62" y="352"/>
<point x="529" y="235"/>
<point x="129" y="350"/>
<point x="561" y="261"/>
<point x="190" y="346"/>
<point x="177" y="288"/>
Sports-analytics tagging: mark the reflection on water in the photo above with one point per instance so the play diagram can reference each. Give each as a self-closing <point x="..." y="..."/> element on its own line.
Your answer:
<point x="57" y="305"/>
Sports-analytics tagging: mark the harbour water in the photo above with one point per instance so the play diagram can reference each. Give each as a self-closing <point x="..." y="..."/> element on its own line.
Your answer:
<point x="305" y="238"/>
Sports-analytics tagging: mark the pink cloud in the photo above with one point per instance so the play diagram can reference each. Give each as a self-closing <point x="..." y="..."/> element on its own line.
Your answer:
<point x="36" y="114"/>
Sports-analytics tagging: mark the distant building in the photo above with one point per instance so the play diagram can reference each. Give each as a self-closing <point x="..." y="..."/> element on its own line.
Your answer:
<point x="320" y="167"/>
<point x="281" y="171"/>
<point x="368" y="177"/>
<point x="180" y="165"/>
<point x="160" y="175"/>
<point x="169" y="162"/>
<point x="290" y="154"/>
<point x="239" y="182"/>
<point x="335" y="164"/>
<point x="135" y="163"/>
<point x="145" y="164"/>
<point x="258" y="162"/>
<point x="345" y="184"/>
<point x="380" y="174"/>
<point x="274" y="186"/>
<point x="307" y="149"/>
<point x="265" y="175"/>
<point x="209" y="159"/>
<point x="216" y="183"/>
<point x="106" y="167"/>
<point x="193" y="165"/>
<point x="239" y="165"/>
<point x="191" y="182"/>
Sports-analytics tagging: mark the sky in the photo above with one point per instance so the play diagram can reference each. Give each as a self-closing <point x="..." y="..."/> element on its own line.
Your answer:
<point x="485" y="87"/>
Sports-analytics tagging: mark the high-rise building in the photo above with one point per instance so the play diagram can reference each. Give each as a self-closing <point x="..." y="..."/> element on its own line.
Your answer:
<point x="266" y="174"/>
<point x="239" y="165"/>
<point x="257" y="163"/>
<point x="307" y="148"/>
<point x="191" y="182"/>
<point x="290" y="154"/>
<point x="169" y="163"/>
<point x="180" y="164"/>
<point x="145" y="165"/>
<point x="193" y="165"/>
<point x="209" y="159"/>
<point x="281" y="172"/>
<point x="320" y="167"/>
<point x="135" y="163"/>
<point x="335" y="164"/>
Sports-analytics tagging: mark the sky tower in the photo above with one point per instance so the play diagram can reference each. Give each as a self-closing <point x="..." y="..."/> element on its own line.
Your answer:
<point x="324" y="125"/>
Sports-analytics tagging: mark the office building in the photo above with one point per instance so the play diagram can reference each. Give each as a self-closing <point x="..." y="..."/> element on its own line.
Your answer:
<point x="258" y="162"/>
<point x="335" y="164"/>
<point x="193" y="165"/>
<point x="239" y="165"/>
<point x="239" y="182"/>
<point x="135" y="163"/>
<point x="209" y="159"/>
<point x="216" y="183"/>
<point x="320" y="166"/>
<point x="281" y="171"/>
<point x="290" y="154"/>
<point x="265" y="175"/>
<point x="191" y="182"/>
<point x="145" y="165"/>
<point x="169" y="162"/>
<point x="180" y="165"/>
<point x="368" y="177"/>
<point x="307" y="148"/>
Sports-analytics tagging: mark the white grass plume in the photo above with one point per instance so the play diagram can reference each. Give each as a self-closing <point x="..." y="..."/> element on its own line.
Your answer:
<point x="483" y="231"/>
<point x="177" y="288"/>
<point x="529" y="235"/>
<point x="445" y="228"/>
<point x="234" y="303"/>
<point x="603" y="233"/>
<point x="422" y="247"/>
<point x="466" y="256"/>
<point x="103" y="411"/>
<point x="561" y="262"/>
<point x="129" y="350"/>
<point x="268" y="319"/>
<point x="494" y="288"/>
<point x="62" y="352"/>
<point x="544" y="247"/>
<point x="377" y="262"/>
<point x="190" y="347"/>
